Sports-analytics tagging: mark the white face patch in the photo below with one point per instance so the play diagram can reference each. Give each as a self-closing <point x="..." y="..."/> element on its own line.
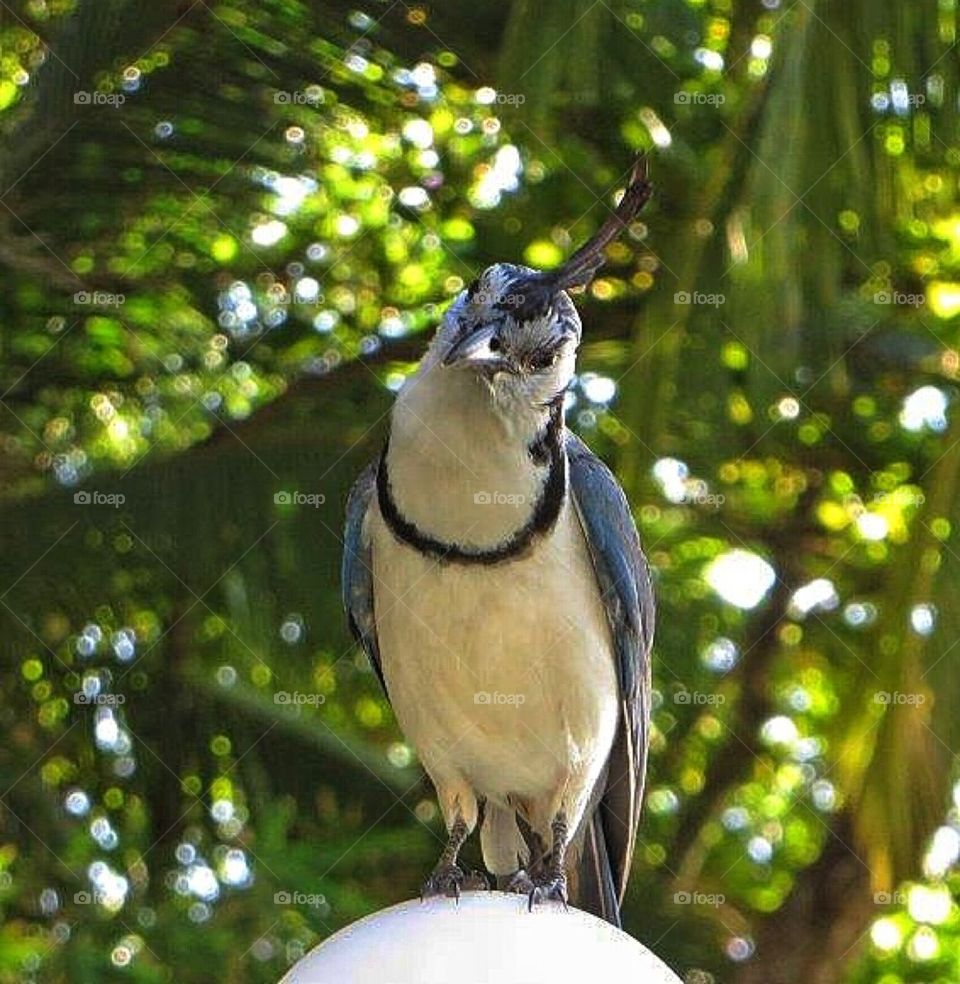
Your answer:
<point x="538" y="351"/>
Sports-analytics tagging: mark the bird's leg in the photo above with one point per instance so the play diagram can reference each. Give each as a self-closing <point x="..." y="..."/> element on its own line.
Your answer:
<point x="524" y="880"/>
<point x="448" y="878"/>
<point x="551" y="881"/>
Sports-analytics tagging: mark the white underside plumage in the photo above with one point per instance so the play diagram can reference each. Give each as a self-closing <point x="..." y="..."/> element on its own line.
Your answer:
<point x="502" y="677"/>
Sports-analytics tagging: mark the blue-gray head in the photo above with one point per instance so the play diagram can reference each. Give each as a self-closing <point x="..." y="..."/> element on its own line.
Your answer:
<point x="517" y="329"/>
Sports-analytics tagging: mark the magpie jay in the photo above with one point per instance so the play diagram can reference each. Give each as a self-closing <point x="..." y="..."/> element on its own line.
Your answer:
<point x="493" y="574"/>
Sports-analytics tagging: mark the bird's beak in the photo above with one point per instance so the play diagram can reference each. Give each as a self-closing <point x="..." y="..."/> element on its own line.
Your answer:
<point x="474" y="350"/>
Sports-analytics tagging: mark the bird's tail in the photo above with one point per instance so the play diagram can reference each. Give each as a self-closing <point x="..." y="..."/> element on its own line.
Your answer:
<point x="592" y="887"/>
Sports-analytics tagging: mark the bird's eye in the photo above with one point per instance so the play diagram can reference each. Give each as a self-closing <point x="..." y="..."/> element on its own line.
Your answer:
<point x="473" y="288"/>
<point x="494" y="344"/>
<point x="542" y="360"/>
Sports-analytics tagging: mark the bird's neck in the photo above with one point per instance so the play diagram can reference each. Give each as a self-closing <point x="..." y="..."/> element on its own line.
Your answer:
<point x="463" y="479"/>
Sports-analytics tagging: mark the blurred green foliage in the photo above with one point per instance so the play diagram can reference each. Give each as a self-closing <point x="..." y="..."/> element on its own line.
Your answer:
<point x="225" y="231"/>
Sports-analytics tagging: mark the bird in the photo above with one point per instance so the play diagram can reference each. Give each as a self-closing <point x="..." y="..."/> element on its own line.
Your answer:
<point x="493" y="573"/>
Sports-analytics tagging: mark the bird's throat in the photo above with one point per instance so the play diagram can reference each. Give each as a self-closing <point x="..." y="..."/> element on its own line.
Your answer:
<point x="469" y="500"/>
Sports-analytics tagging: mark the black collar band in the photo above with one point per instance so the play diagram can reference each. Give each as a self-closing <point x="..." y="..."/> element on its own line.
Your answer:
<point x="547" y="448"/>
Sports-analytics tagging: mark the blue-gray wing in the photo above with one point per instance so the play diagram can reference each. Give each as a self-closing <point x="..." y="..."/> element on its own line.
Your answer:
<point x="624" y="581"/>
<point x="357" y="569"/>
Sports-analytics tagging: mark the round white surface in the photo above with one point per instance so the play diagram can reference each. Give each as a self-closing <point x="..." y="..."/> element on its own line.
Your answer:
<point x="488" y="938"/>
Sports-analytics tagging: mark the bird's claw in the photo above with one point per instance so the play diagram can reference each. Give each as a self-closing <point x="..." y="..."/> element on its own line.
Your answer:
<point x="451" y="880"/>
<point x="521" y="883"/>
<point x="476" y="881"/>
<point x="445" y="879"/>
<point x="553" y="889"/>
<point x="539" y="887"/>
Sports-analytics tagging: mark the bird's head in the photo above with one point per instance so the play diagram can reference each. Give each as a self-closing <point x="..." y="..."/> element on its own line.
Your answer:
<point x="518" y="337"/>
<point x="516" y="328"/>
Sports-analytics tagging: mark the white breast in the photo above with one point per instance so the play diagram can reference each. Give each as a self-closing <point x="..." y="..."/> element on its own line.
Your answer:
<point x="450" y="453"/>
<point x="501" y="675"/>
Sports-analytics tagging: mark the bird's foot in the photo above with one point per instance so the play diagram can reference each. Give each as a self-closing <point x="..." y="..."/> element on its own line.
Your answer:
<point x="549" y="888"/>
<point x="521" y="883"/>
<point x="451" y="880"/>
<point x="476" y="881"/>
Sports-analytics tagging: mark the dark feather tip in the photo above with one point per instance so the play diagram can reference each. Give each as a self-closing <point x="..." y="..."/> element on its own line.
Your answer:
<point x="532" y="294"/>
<point x="582" y="266"/>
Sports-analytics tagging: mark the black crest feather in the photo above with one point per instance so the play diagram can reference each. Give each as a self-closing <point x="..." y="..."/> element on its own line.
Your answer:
<point x="532" y="295"/>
